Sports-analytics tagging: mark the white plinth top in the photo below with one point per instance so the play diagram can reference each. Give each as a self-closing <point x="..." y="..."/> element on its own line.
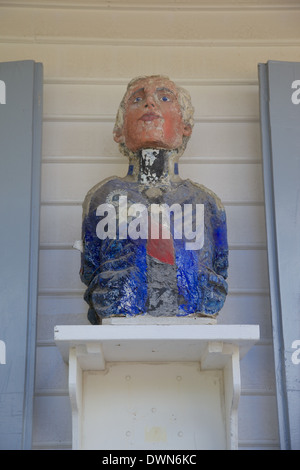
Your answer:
<point x="151" y="343"/>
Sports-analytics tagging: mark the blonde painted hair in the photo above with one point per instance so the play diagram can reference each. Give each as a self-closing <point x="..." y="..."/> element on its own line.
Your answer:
<point x="185" y="103"/>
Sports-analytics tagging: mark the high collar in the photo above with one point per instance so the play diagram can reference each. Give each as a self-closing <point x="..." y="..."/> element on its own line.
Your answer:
<point x="151" y="167"/>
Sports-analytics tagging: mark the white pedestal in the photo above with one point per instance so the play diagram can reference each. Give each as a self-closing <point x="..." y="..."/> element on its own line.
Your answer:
<point x="155" y="386"/>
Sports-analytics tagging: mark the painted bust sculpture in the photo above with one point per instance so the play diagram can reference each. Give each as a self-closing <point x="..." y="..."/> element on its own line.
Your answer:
<point x="153" y="243"/>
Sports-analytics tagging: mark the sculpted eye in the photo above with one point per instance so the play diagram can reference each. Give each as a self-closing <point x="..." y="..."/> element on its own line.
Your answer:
<point x="137" y="99"/>
<point x="165" y="98"/>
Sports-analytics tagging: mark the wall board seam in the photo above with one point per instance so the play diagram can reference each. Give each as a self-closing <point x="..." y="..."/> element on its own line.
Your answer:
<point x="47" y="343"/>
<point x="112" y="117"/>
<point x="143" y="42"/>
<point x="124" y="81"/>
<point x="46" y="392"/>
<point x="169" y="6"/>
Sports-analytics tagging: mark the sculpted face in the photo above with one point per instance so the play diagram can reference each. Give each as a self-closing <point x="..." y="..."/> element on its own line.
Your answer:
<point x="152" y="117"/>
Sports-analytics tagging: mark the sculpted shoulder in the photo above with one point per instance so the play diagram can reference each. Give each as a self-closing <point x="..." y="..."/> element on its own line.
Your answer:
<point x="103" y="187"/>
<point x="217" y="201"/>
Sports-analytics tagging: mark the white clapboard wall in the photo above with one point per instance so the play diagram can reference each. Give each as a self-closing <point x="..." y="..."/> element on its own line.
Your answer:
<point x="90" y="50"/>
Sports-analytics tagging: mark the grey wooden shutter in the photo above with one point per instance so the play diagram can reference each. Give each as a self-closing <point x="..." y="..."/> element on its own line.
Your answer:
<point x="20" y="158"/>
<point x="280" y="126"/>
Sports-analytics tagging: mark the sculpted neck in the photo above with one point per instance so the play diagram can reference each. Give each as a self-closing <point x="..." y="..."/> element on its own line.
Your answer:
<point x="154" y="167"/>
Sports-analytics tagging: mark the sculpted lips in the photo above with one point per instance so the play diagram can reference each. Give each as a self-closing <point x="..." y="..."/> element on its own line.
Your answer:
<point x="149" y="117"/>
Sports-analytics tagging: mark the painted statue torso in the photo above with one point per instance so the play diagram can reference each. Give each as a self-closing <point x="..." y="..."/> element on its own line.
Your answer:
<point x="159" y="277"/>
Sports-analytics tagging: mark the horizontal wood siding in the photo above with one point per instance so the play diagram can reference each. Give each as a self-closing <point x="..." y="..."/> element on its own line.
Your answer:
<point x="90" y="50"/>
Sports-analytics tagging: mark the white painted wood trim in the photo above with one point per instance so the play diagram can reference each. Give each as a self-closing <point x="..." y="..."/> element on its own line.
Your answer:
<point x="216" y="347"/>
<point x="143" y="336"/>
<point x="75" y="392"/>
<point x="232" y="378"/>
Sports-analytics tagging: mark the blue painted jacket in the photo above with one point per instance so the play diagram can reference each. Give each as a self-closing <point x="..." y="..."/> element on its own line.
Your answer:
<point x="120" y="275"/>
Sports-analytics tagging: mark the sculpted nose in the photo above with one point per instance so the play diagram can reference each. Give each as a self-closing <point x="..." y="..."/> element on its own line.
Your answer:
<point x="150" y="102"/>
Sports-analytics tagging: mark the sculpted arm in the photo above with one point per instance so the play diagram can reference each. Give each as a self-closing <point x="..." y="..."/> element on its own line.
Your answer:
<point x="213" y="281"/>
<point x="113" y="270"/>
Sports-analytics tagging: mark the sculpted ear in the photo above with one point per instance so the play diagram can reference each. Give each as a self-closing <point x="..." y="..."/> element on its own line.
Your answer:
<point x="187" y="130"/>
<point x="118" y="135"/>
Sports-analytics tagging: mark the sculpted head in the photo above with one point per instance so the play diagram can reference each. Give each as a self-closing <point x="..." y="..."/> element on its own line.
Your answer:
<point x="154" y="113"/>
